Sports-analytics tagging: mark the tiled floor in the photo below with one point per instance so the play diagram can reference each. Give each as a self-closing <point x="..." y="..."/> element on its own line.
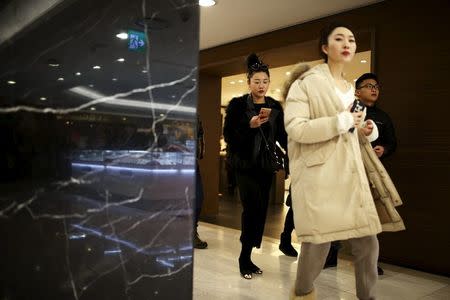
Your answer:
<point x="216" y="274"/>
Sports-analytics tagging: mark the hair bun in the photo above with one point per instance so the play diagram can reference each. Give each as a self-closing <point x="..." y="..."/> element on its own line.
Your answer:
<point x="253" y="59"/>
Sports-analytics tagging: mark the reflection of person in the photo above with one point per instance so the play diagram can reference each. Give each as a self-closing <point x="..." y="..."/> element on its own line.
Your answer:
<point x="286" y="236"/>
<point x="368" y="91"/>
<point x="198" y="243"/>
<point x="330" y="191"/>
<point x="243" y="129"/>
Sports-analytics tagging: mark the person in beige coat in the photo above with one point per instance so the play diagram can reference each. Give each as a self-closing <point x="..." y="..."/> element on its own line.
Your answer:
<point x="331" y="193"/>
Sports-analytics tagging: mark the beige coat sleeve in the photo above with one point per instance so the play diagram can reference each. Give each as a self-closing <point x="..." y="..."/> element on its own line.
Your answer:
<point x="300" y="125"/>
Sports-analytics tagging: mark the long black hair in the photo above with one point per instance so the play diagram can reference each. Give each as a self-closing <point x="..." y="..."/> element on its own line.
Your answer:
<point x="255" y="65"/>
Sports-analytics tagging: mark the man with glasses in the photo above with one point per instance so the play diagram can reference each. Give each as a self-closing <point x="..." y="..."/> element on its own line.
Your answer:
<point x="367" y="89"/>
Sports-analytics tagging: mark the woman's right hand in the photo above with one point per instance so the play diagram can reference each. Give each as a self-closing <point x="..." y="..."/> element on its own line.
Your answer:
<point x="257" y="121"/>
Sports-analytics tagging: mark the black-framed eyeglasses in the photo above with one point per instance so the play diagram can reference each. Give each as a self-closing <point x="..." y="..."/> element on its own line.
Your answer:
<point x="371" y="86"/>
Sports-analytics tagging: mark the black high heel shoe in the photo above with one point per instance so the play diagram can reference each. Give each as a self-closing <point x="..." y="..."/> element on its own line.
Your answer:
<point x="245" y="269"/>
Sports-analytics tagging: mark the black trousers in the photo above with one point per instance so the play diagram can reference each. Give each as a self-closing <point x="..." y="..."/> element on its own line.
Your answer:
<point x="254" y="191"/>
<point x="198" y="195"/>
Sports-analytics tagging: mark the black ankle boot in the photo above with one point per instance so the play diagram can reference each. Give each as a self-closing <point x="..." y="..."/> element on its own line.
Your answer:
<point x="198" y="243"/>
<point x="286" y="246"/>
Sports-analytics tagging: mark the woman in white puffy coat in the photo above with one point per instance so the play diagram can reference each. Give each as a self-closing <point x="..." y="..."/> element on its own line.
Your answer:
<point x="331" y="196"/>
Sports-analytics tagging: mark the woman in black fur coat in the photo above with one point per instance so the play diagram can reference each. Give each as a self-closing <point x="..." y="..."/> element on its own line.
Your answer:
<point x="246" y="122"/>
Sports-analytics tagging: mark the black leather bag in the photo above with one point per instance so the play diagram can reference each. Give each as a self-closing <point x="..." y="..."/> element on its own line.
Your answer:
<point x="271" y="158"/>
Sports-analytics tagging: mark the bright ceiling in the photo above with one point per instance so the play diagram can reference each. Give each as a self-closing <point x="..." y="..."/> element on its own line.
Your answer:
<point x="233" y="20"/>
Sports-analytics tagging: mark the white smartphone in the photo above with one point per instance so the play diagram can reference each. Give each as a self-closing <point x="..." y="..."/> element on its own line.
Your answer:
<point x="264" y="112"/>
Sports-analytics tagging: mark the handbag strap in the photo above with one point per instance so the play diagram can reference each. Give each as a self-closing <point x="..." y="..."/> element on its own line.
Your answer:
<point x="264" y="138"/>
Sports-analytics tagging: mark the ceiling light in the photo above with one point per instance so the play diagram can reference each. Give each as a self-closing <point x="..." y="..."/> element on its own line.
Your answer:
<point x="53" y="63"/>
<point x="122" y="35"/>
<point x="43" y="98"/>
<point x="77" y="74"/>
<point x="288" y="73"/>
<point x="91" y="85"/>
<point x="144" y="71"/>
<point x="278" y="90"/>
<point x="96" y="67"/>
<point x="207" y="3"/>
<point x="92" y="108"/>
<point x="240" y="81"/>
<point x="121" y="59"/>
<point x="11" y="82"/>
<point x="232" y="82"/>
<point x="363" y="61"/>
<point x="124" y="119"/>
<point x="161" y="115"/>
<point x="114" y="79"/>
<point x="61" y="79"/>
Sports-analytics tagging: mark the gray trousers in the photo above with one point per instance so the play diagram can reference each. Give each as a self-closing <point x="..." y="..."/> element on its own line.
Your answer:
<point x="312" y="259"/>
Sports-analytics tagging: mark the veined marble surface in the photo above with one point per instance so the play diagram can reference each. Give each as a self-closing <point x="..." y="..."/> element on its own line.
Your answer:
<point x="97" y="150"/>
<point x="216" y="274"/>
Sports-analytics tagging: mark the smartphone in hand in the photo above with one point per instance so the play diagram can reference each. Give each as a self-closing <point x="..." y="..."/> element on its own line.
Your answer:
<point x="264" y="112"/>
<point x="357" y="106"/>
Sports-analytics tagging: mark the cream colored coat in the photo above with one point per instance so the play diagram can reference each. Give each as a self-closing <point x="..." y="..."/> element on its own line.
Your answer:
<point x="331" y="196"/>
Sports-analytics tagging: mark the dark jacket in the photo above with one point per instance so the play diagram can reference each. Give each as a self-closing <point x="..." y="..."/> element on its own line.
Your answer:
<point x="386" y="137"/>
<point x="243" y="142"/>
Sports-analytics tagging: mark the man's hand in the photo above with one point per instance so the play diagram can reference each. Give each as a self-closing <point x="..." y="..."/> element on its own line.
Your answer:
<point x="368" y="128"/>
<point x="256" y="121"/>
<point x="379" y="150"/>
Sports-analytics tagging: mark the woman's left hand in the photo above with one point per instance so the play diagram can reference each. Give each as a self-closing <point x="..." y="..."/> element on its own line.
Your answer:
<point x="367" y="127"/>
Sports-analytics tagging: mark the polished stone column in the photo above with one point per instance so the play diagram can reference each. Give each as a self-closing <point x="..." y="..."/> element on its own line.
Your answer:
<point x="97" y="149"/>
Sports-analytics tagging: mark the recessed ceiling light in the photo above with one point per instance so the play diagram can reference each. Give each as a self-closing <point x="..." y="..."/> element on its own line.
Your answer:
<point x="96" y="67"/>
<point x="53" y="63"/>
<point x="144" y="71"/>
<point x="240" y="81"/>
<point x="114" y="79"/>
<point x="11" y="82"/>
<point x="278" y="90"/>
<point x="43" y="98"/>
<point x="122" y="35"/>
<point x="121" y="59"/>
<point x="77" y="74"/>
<point x="92" y="108"/>
<point x="124" y="119"/>
<point x="363" y="61"/>
<point x="161" y="115"/>
<point x="91" y="85"/>
<point x="232" y="82"/>
<point x="61" y="79"/>
<point x="288" y="73"/>
<point x="207" y="3"/>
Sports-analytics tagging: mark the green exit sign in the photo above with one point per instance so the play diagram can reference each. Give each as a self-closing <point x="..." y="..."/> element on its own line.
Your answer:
<point x="136" y="40"/>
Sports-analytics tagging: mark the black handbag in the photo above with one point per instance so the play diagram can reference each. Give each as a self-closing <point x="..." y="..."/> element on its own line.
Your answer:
<point x="271" y="158"/>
